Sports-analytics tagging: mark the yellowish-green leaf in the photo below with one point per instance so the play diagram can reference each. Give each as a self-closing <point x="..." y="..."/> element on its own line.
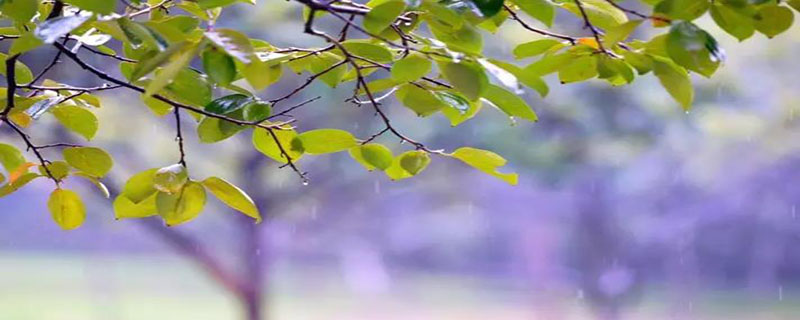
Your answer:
<point x="92" y="161"/>
<point x="99" y="6"/>
<point x="485" y="161"/>
<point x="232" y="196"/>
<point x="171" y="179"/>
<point x="66" y="208"/>
<point x="372" y="155"/>
<point x="183" y="206"/>
<point x="467" y="78"/>
<point x="59" y="169"/>
<point x="411" y="68"/>
<point x="422" y="101"/>
<point x="124" y="207"/>
<point x="676" y="80"/>
<point x="10" y="157"/>
<point x="414" y="162"/>
<point x="383" y="15"/>
<point x="140" y="186"/>
<point x="265" y="143"/>
<point x="172" y="69"/>
<point x="510" y="103"/>
<point x="236" y="44"/>
<point x="76" y="119"/>
<point x="321" y="141"/>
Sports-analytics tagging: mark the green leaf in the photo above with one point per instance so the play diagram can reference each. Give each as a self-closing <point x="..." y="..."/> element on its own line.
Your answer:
<point x="467" y="78"/>
<point x="10" y="157"/>
<point x="219" y="66"/>
<point x="20" y="10"/>
<point x="676" y="80"/>
<point x="535" y="48"/>
<point x="172" y="69"/>
<point x="322" y="141"/>
<point x="529" y="79"/>
<point x="549" y="64"/>
<point x="257" y="111"/>
<point x="682" y="9"/>
<point x="53" y="29"/>
<point x="509" y="103"/>
<point x="620" y="32"/>
<point x="124" y="207"/>
<point x="210" y="4"/>
<point x="183" y="206"/>
<point x="488" y="7"/>
<point x="147" y="65"/>
<point x="170" y="179"/>
<point x="15" y="185"/>
<point x="367" y="50"/>
<point x="261" y="74"/>
<point x="464" y="39"/>
<point x="24" y="74"/>
<point x="383" y="15"/>
<point x="693" y="48"/>
<point x="140" y="186"/>
<point x="421" y="101"/>
<point x="138" y="35"/>
<point x="773" y="20"/>
<point x="541" y="10"/>
<point x="601" y="13"/>
<point x="92" y="161"/>
<point x="485" y="161"/>
<point x="372" y="155"/>
<point x="459" y="109"/>
<point x="158" y="107"/>
<point x="98" y="6"/>
<point x="190" y="87"/>
<point x="414" y="162"/>
<point x="615" y="71"/>
<point x="59" y="169"/>
<point x="733" y="22"/>
<point x="76" y="119"/>
<point x="322" y="62"/>
<point x="229" y="103"/>
<point x="232" y="196"/>
<point x="211" y="130"/>
<point x="265" y="143"/>
<point x="411" y="68"/>
<point x="26" y="42"/>
<point x="237" y="45"/>
<point x="66" y="208"/>
<point x="580" y="69"/>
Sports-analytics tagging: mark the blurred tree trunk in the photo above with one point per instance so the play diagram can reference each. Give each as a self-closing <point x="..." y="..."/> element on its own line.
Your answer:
<point x="255" y="253"/>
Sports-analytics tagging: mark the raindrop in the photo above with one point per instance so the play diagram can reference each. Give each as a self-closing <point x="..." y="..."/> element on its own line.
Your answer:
<point x="314" y="212"/>
<point x="794" y="211"/>
<point x="580" y="294"/>
<point x="258" y="252"/>
<point x="780" y="293"/>
<point x="377" y="187"/>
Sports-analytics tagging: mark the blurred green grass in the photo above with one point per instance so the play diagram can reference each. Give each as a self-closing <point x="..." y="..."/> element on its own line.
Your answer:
<point x="67" y="286"/>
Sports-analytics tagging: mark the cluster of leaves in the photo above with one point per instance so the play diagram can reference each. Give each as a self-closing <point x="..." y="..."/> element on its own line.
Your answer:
<point x="427" y="54"/>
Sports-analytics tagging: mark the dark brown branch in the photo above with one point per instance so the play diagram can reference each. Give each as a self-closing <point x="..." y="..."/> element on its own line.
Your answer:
<point x="588" y="24"/>
<point x="179" y="137"/>
<point x="513" y="15"/>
